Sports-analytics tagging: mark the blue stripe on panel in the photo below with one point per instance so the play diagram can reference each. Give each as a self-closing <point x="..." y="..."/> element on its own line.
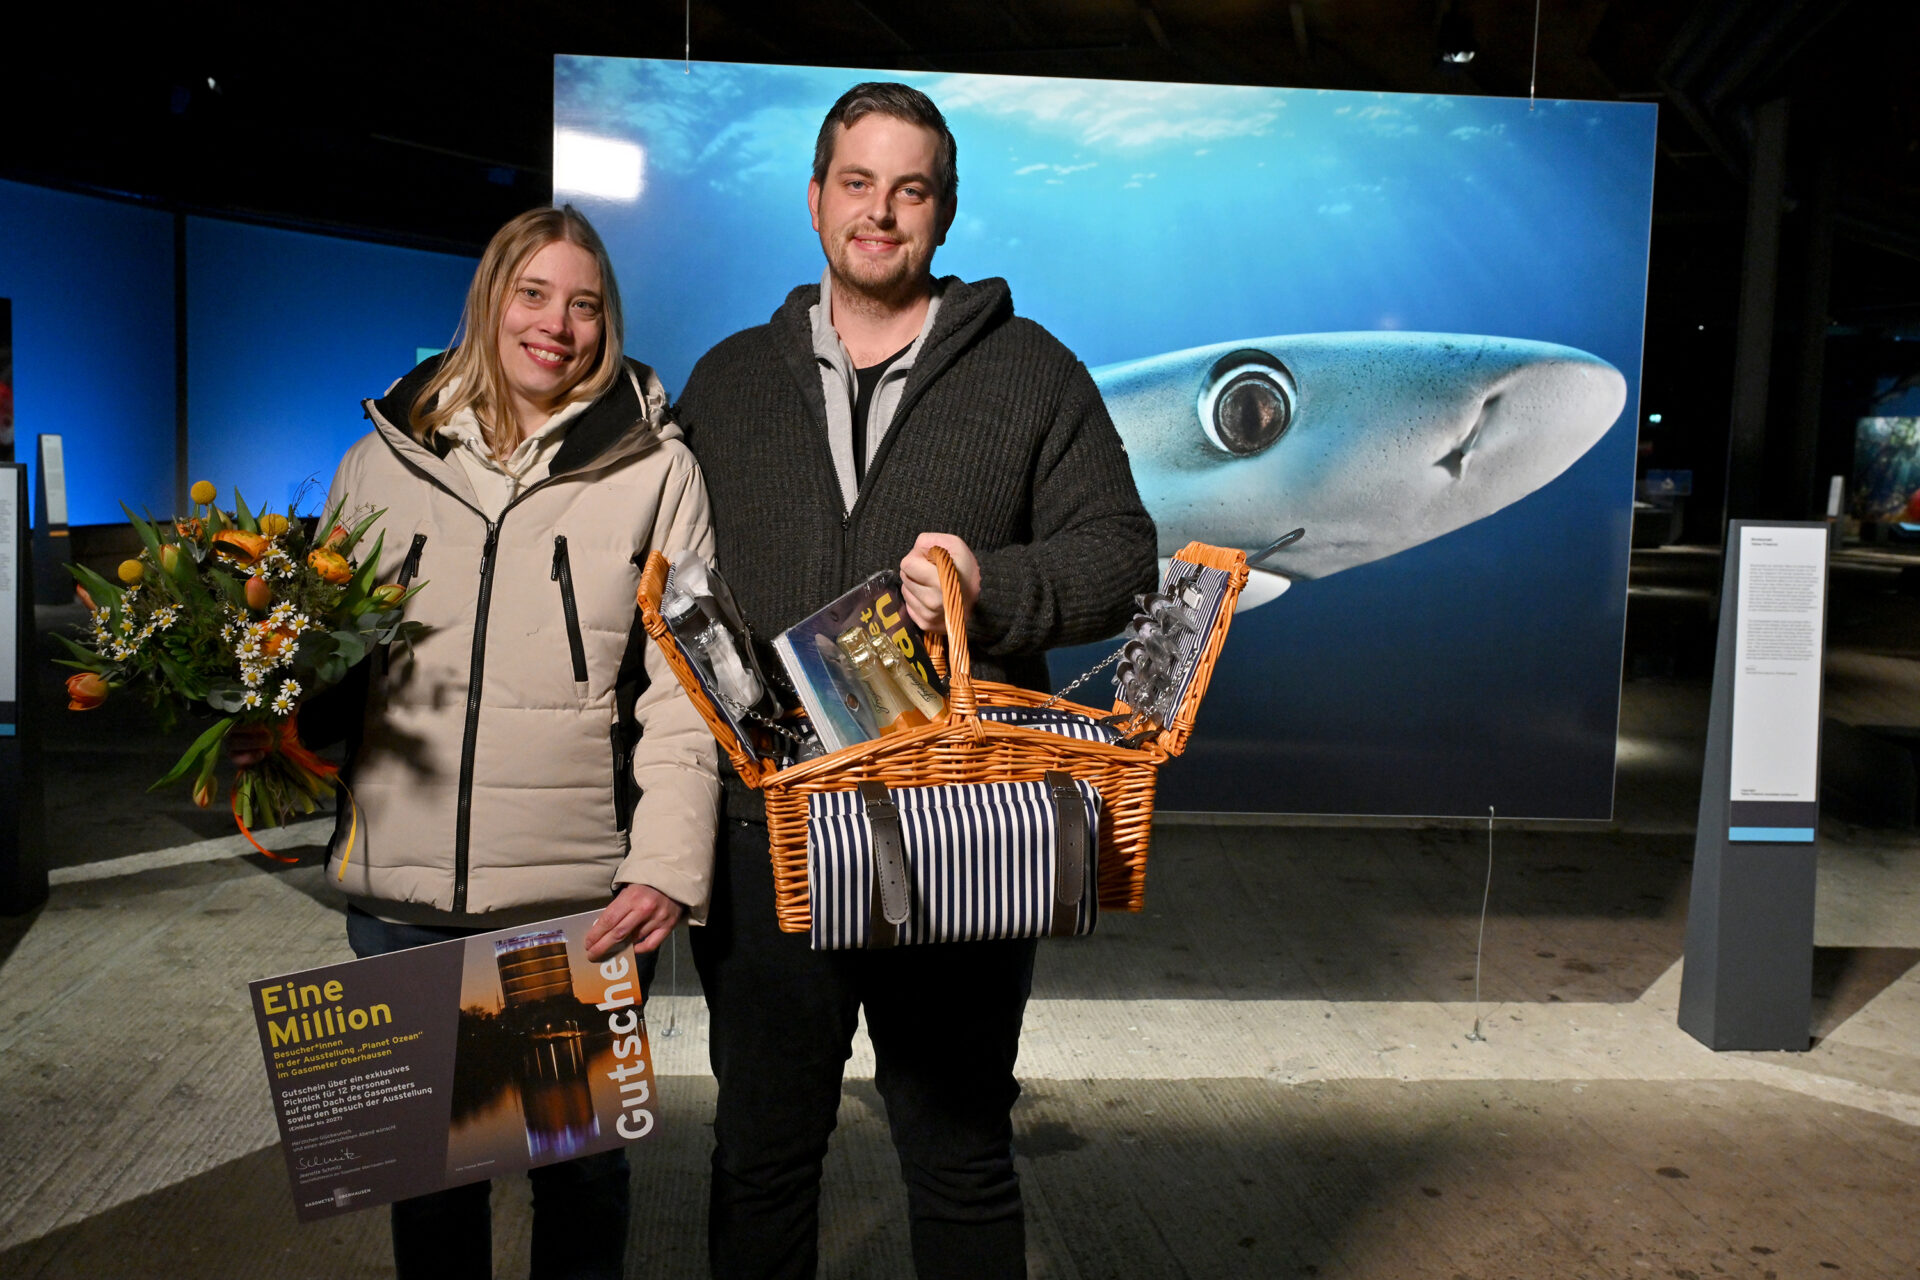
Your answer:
<point x="1771" y="835"/>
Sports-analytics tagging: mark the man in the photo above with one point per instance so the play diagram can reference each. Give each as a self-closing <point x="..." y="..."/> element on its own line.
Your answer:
<point x="878" y="414"/>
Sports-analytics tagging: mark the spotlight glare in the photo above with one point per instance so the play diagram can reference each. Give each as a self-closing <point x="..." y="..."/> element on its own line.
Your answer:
<point x="587" y="164"/>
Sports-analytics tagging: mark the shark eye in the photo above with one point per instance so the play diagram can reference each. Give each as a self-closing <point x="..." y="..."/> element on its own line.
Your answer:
<point x="1247" y="402"/>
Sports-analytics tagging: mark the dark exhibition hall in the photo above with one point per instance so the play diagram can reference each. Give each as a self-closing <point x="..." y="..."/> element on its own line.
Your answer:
<point x="1087" y="639"/>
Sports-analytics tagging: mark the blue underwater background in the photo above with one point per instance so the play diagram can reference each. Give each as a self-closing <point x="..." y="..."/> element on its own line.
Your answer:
<point x="1479" y="669"/>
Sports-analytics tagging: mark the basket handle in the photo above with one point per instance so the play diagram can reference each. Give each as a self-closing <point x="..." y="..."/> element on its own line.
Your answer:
<point x="653" y="585"/>
<point x="953" y="602"/>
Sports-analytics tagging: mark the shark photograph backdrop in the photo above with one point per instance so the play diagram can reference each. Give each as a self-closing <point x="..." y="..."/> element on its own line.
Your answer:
<point x="1409" y="324"/>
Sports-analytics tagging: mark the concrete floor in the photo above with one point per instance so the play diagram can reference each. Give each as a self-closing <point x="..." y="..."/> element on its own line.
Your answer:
<point x="1270" y="1072"/>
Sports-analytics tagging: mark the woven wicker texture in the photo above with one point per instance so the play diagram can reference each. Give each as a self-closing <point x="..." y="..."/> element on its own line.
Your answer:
<point x="963" y="748"/>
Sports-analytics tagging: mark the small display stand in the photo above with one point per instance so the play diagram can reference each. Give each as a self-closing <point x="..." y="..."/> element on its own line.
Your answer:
<point x="23" y="854"/>
<point x="1748" y="976"/>
<point x="51" y="543"/>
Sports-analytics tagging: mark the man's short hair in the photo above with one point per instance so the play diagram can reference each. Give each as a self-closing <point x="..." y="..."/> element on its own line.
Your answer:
<point x="902" y="102"/>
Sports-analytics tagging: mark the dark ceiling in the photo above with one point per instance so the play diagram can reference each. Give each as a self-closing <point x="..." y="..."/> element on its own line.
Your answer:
<point x="430" y="124"/>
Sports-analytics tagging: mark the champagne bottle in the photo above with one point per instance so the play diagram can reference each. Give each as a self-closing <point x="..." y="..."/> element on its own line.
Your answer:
<point x="918" y="694"/>
<point x="891" y="710"/>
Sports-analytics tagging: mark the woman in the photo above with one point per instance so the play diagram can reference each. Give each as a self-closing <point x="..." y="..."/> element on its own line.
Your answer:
<point x="504" y="765"/>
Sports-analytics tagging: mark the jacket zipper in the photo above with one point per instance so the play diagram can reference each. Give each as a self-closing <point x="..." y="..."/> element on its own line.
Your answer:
<point x="463" y="821"/>
<point x="411" y="565"/>
<point x="563" y="574"/>
<point x="408" y="567"/>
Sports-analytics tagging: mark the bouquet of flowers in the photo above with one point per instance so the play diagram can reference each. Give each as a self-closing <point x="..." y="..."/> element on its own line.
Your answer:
<point x="245" y="616"/>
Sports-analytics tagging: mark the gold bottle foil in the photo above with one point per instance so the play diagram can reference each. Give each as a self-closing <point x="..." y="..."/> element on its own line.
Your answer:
<point x="919" y="694"/>
<point x="891" y="710"/>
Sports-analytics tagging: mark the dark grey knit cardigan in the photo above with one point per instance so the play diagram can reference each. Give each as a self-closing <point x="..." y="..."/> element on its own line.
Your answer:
<point x="1000" y="438"/>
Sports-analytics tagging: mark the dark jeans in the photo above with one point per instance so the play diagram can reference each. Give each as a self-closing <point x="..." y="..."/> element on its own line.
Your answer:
<point x="580" y="1207"/>
<point x="945" y="1025"/>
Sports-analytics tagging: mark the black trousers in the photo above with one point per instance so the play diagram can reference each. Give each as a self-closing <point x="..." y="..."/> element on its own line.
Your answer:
<point x="580" y="1207"/>
<point x="945" y="1024"/>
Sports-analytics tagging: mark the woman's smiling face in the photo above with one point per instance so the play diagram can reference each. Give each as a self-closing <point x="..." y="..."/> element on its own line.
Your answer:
<point x="550" y="330"/>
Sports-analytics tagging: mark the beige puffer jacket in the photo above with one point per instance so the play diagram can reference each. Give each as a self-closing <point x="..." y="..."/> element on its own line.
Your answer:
<point x="491" y="774"/>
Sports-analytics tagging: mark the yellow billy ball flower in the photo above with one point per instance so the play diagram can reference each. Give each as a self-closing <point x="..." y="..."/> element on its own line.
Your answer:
<point x="203" y="492"/>
<point x="131" y="571"/>
<point x="273" y="524"/>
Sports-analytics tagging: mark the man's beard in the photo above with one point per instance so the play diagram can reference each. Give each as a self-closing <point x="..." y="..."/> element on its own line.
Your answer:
<point x="889" y="285"/>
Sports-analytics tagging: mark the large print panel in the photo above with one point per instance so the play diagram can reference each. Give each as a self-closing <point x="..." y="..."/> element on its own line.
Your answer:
<point x="1411" y="325"/>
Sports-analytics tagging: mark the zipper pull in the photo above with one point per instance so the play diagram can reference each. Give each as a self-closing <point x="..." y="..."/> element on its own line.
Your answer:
<point x="559" y="555"/>
<point x="486" y="551"/>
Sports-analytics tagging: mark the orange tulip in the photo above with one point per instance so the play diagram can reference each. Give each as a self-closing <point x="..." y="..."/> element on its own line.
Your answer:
<point x="191" y="530"/>
<point x="205" y="790"/>
<point x="338" y="538"/>
<point x="244" y="547"/>
<point x="330" y="565"/>
<point x="85" y="691"/>
<point x="84" y="597"/>
<point x="277" y="639"/>
<point x="388" y="594"/>
<point x="259" y="594"/>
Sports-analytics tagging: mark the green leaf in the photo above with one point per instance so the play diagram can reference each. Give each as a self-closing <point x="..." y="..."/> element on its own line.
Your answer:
<point x="362" y="581"/>
<point x="360" y="531"/>
<point x="227" y="696"/>
<point x="149" y="538"/>
<point x="83" y="657"/>
<point x="231" y="587"/>
<point x="105" y="594"/>
<point x="241" y="516"/>
<point x="351" y="646"/>
<point x="204" y="747"/>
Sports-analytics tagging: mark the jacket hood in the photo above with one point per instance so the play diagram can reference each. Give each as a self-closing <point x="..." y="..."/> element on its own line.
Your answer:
<point x="966" y="310"/>
<point x="630" y="418"/>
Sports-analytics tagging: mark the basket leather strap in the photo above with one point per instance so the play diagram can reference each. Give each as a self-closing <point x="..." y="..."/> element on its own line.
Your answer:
<point x="1070" y="860"/>
<point x="890" y="891"/>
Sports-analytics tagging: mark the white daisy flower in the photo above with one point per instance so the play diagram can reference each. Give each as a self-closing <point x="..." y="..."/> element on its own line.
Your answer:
<point x="250" y="700"/>
<point x="282" y="702"/>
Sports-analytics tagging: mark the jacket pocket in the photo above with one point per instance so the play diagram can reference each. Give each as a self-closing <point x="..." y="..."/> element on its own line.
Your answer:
<point x="409" y="568"/>
<point x="626" y="792"/>
<point x="576" y="644"/>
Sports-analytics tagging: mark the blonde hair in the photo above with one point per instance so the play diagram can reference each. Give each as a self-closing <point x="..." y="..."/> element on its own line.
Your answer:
<point x="472" y="367"/>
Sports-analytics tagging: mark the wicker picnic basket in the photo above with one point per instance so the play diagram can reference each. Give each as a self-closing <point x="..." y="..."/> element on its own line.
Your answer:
<point x="963" y="748"/>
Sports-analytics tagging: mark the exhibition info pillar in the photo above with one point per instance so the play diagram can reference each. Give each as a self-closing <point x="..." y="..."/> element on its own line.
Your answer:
<point x="23" y="854"/>
<point x="1747" y="980"/>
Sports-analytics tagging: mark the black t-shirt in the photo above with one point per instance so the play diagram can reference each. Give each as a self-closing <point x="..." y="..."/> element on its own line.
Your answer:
<point x="865" y="380"/>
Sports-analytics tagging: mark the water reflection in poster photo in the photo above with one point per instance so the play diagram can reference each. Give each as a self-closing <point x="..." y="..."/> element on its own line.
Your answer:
<point x="531" y="1055"/>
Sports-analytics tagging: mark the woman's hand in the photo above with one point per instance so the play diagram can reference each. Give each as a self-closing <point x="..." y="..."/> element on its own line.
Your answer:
<point x="920" y="581"/>
<point x="638" y="913"/>
<point x="248" y="744"/>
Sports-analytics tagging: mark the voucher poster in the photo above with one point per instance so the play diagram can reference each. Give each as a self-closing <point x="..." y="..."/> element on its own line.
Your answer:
<point x="406" y="1073"/>
<point x="1407" y="324"/>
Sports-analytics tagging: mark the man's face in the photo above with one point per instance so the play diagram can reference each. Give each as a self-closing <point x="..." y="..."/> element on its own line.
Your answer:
<point x="879" y="213"/>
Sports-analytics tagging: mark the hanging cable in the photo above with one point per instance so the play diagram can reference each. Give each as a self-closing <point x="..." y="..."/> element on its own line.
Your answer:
<point x="1533" y="77"/>
<point x="1479" y="947"/>
<point x="689" y="52"/>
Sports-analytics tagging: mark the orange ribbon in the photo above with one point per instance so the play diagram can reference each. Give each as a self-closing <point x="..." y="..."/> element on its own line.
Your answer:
<point x="248" y="834"/>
